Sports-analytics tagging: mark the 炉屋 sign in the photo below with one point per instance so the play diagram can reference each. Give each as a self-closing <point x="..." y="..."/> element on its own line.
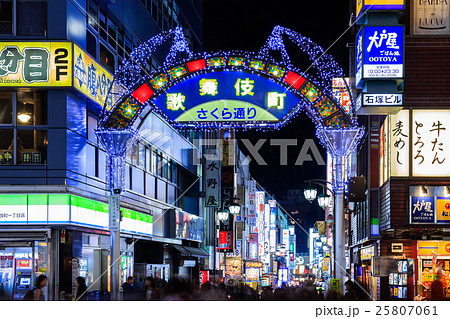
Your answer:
<point x="422" y="209"/>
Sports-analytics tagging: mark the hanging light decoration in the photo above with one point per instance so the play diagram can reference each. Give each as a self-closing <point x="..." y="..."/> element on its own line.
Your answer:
<point x="310" y="193"/>
<point x="234" y="208"/>
<point x="323" y="200"/>
<point x="223" y="214"/>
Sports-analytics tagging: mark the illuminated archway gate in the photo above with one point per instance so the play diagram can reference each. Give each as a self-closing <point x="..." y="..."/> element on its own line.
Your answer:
<point x="230" y="90"/>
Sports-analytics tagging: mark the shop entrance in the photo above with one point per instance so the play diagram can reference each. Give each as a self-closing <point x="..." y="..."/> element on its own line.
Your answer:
<point x="20" y="264"/>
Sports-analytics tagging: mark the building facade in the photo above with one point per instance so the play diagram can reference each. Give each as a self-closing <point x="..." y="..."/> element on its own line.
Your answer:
<point x="404" y="158"/>
<point x="58" y="59"/>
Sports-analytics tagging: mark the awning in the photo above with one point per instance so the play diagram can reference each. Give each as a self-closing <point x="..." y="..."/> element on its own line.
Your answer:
<point x="182" y="250"/>
<point x="186" y="251"/>
<point x="197" y="252"/>
<point x="15" y="235"/>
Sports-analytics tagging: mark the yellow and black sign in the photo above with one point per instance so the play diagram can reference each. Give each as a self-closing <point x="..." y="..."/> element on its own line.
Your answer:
<point x="30" y="64"/>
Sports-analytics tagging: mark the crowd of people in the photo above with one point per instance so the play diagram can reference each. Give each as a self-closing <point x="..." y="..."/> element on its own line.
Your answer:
<point x="180" y="289"/>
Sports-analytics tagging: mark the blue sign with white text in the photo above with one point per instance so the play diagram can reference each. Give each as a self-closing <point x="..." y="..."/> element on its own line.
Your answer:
<point x="383" y="48"/>
<point x="422" y="209"/>
<point x="359" y="58"/>
<point x="227" y="96"/>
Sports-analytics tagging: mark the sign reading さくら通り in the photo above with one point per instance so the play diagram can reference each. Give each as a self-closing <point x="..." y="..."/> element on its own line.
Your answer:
<point x="28" y="64"/>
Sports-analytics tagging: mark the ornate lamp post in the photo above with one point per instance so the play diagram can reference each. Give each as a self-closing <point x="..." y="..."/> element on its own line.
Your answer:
<point x="116" y="143"/>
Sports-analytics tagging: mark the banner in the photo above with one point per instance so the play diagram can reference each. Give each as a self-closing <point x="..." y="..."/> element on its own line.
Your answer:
<point x="212" y="178"/>
<point x="31" y="64"/>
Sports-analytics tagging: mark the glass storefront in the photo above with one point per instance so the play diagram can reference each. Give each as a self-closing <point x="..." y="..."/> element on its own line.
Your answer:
<point x="20" y="264"/>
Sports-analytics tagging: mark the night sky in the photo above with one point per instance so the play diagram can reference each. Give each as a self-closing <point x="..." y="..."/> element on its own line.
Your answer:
<point x="246" y="25"/>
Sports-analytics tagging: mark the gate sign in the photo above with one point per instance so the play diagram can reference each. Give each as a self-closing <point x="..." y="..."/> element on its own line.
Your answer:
<point x="422" y="209"/>
<point x="383" y="52"/>
<point x="226" y="96"/>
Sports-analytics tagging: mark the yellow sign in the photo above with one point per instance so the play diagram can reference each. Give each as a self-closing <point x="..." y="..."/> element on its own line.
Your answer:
<point x="89" y="77"/>
<point x="335" y="284"/>
<point x="378" y="5"/>
<point x="444" y="248"/>
<point x="427" y="247"/>
<point x="443" y="209"/>
<point x="29" y="64"/>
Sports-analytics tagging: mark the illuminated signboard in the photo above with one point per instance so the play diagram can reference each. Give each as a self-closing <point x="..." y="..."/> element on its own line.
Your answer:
<point x="44" y="209"/>
<point x="383" y="52"/>
<point x="422" y="209"/>
<point x="428" y="149"/>
<point x="378" y="5"/>
<point x="431" y="17"/>
<point x="442" y="209"/>
<point x="30" y="64"/>
<point x="266" y="258"/>
<point x="359" y="59"/>
<point x="90" y="78"/>
<point x="259" y="210"/>
<point x="340" y="89"/>
<point x="189" y="226"/>
<point x="378" y="99"/>
<point x="226" y="241"/>
<point x="273" y="213"/>
<point x="226" y="96"/>
<point x="253" y="246"/>
<point x="430" y="139"/>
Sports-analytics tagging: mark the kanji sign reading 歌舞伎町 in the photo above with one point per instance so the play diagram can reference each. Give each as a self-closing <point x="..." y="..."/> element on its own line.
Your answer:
<point x="226" y="96"/>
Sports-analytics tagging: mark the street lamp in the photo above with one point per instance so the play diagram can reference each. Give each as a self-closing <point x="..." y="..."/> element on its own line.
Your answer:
<point x="223" y="214"/>
<point x="310" y="193"/>
<point x="234" y="208"/>
<point x="323" y="200"/>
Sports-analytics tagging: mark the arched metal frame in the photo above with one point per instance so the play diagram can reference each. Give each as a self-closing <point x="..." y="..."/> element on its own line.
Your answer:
<point x="133" y="90"/>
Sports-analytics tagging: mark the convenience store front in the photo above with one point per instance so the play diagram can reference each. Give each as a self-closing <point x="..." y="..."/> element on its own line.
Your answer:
<point x="32" y="228"/>
<point x="432" y="256"/>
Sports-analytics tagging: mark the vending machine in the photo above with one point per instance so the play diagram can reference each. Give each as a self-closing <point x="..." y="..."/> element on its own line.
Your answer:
<point x="398" y="279"/>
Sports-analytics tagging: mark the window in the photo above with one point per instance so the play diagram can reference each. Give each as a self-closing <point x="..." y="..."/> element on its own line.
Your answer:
<point x="174" y="173"/>
<point x="154" y="156"/>
<point x="6" y="17"/>
<point x="31" y="147"/>
<point x="20" y="142"/>
<point x="93" y="14"/>
<point x="31" y="17"/>
<point x="31" y="108"/>
<point x="6" y="101"/>
<point x="120" y="43"/>
<point x="6" y="147"/>
<point x="91" y="44"/>
<point x="112" y="33"/>
<point x="107" y="58"/>
<point x="102" y="19"/>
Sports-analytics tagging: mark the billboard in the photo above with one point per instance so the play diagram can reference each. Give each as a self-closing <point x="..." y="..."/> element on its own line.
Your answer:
<point x="359" y="59"/>
<point x="383" y="52"/>
<point x="89" y="77"/>
<point x="259" y="211"/>
<point x="226" y="241"/>
<point x="253" y="247"/>
<point x="212" y="177"/>
<point x="36" y="64"/>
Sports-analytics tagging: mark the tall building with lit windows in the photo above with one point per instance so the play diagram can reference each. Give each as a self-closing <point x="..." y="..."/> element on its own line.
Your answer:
<point x="57" y="60"/>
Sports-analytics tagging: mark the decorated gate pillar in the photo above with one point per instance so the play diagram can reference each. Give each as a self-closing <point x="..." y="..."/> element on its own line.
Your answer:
<point x="116" y="144"/>
<point x="340" y="143"/>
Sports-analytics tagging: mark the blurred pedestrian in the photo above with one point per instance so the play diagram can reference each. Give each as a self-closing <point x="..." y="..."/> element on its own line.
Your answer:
<point x="81" y="294"/>
<point x="41" y="282"/>
<point x="437" y="287"/>
<point x="148" y="288"/>
<point x="350" y="293"/>
<point x="128" y="289"/>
